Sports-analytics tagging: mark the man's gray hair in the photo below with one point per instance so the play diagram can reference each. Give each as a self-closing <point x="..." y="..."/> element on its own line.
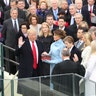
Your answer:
<point x="65" y="52"/>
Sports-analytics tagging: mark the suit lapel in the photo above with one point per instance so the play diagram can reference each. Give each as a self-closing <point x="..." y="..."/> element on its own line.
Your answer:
<point x="37" y="48"/>
<point x="81" y="46"/>
<point x="29" y="46"/>
<point x="11" y="24"/>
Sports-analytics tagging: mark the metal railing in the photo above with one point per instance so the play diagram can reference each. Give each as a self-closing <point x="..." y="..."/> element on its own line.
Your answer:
<point x="63" y="84"/>
<point x="2" y="65"/>
<point x="7" y="59"/>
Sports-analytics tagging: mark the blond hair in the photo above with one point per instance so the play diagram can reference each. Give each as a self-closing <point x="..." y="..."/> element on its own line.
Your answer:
<point x="88" y="38"/>
<point x="93" y="47"/>
<point x="41" y="32"/>
<point x="30" y="31"/>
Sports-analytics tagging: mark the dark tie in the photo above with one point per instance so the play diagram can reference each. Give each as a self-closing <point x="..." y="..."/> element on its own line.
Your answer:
<point x="15" y="25"/>
<point x="79" y="11"/>
<point x="34" y="56"/>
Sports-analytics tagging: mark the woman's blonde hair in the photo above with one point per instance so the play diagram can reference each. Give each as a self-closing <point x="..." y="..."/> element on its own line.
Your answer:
<point x="41" y="32"/>
<point x="93" y="46"/>
<point x="88" y="39"/>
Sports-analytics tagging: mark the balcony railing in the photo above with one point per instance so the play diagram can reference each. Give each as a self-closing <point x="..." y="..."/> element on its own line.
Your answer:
<point x="56" y="85"/>
<point x="62" y="85"/>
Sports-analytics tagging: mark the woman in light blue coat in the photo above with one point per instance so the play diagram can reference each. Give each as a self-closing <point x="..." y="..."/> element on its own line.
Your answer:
<point x="56" y="49"/>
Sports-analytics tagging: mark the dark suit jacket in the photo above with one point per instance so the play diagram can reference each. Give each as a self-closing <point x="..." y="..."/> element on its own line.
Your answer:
<point x="85" y="2"/>
<point x="75" y="51"/>
<point x="5" y="8"/>
<point x="26" y="59"/>
<point x="46" y="42"/>
<point x="65" y="29"/>
<point x="64" y="83"/>
<point x="8" y="32"/>
<point x="2" y="15"/>
<point x="21" y="14"/>
<point x="26" y="4"/>
<point x="72" y="31"/>
<point x="3" y="4"/>
<point x="67" y="16"/>
<point x="87" y="13"/>
<point x="68" y="66"/>
<point x="54" y="28"/>
<point x="50" y="11"/>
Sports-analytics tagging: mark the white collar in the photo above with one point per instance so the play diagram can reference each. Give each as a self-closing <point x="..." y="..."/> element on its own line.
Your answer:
<point x="71" y="48"/>
<point x="67" y="58"/>
<point x="89" y="7"/>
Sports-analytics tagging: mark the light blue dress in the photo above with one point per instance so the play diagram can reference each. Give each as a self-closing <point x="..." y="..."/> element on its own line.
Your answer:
<point x="55" y="53"/>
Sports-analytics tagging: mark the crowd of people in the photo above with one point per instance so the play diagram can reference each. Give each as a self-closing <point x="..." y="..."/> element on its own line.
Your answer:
<point x="36" y="28"/>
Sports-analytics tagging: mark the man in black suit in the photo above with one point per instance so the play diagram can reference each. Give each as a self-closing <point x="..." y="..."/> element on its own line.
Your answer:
<point x="26" y="56"/>
<point x="72" y="29"/>
<point x="50" y="21"/>
<point x="65" y="7"/>
<point x="90" y="8"/>
<point x="67" y="65"/>
<point x="80" y="43"/>
<point x="61" y="24"/>
<point x="5" y="4"/>
<point x="13" y="4"/>
<point x="54" y="9"/>
<point x="9" y="31"/>
<point x="69" y="42"/>
<point x="64" y="82"/>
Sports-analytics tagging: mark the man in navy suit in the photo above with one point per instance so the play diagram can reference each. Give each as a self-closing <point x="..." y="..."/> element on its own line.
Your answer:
<point x="25" y="53"/>
<point x="90" y="8"/>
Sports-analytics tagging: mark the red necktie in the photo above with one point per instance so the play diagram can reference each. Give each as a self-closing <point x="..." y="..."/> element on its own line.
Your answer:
<point x="0" y="14"/>
<point x="90" y="11"/>
<point x="34" y="56"/>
